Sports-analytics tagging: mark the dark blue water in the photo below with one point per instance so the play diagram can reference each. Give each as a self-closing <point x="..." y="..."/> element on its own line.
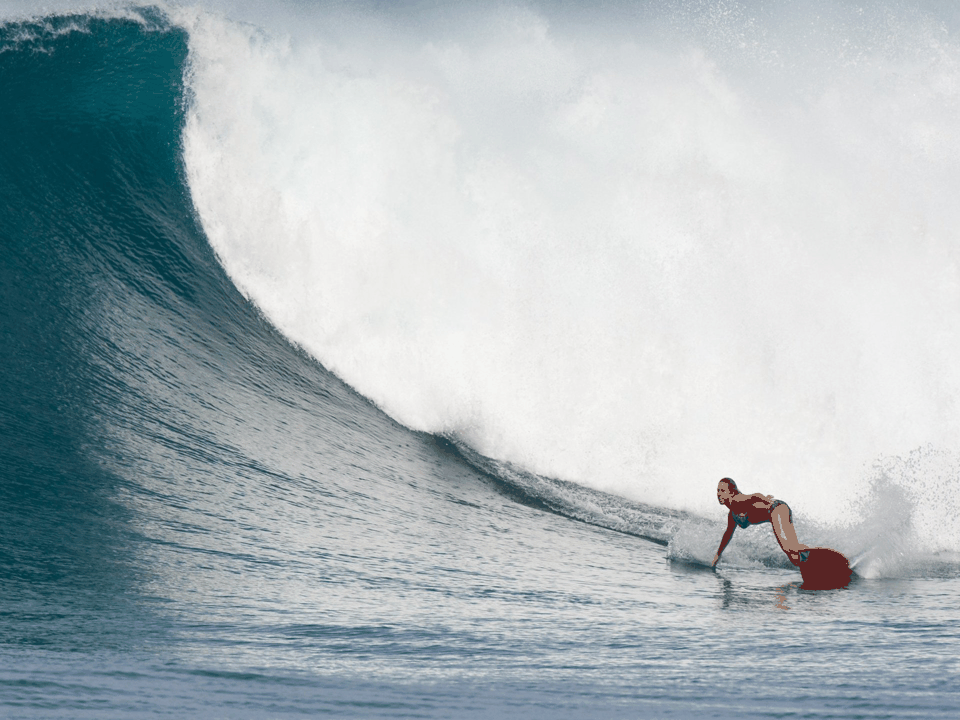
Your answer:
<point x="198" y="520"/>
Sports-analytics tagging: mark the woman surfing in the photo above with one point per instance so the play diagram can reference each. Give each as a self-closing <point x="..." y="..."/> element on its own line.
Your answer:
<point x="746" y="510"/>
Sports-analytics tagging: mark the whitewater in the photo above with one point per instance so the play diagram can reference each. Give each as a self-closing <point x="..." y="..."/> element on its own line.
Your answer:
<point x="623" y="259"/>
<point x="381" y="360"/>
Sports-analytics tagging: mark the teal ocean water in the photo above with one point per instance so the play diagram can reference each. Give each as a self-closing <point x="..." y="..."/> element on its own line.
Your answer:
<point x="381" y="361"/>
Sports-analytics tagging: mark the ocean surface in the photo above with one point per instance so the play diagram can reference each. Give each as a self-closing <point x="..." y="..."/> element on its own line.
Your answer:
<point x="380" y="360"/>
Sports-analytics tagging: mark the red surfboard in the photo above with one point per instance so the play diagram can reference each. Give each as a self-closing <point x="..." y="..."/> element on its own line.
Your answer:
<point x="824" y="569"/>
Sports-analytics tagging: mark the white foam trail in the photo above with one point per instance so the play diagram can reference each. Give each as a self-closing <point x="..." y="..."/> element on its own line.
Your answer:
<point x="638" y="262"/>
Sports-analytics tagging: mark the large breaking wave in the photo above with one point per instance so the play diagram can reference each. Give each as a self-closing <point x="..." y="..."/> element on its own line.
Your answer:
<point x="629" y="253"/>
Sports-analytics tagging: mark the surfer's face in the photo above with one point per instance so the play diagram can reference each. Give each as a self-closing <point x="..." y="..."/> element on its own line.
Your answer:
<point x="724" y="493"/>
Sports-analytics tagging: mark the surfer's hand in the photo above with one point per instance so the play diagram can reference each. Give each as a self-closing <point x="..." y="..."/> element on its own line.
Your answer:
<point x="716" y="559"/>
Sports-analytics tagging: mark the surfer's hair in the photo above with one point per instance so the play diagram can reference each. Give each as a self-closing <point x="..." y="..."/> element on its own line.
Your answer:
<point x="731" y="483"/>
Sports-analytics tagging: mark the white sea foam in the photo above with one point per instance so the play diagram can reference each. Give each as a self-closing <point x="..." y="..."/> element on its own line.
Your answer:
<point x="636" y="255"/>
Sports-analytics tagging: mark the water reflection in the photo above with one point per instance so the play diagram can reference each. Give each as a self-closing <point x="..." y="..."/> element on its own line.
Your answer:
<point x="748" y="595"/>
<point x="781" y="596"/>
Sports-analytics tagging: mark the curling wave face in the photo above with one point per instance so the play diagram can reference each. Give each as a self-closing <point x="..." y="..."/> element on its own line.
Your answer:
<point x="629" y="257"/>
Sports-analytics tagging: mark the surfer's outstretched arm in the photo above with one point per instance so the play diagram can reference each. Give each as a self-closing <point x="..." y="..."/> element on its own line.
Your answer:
<point x="731" y="526"/>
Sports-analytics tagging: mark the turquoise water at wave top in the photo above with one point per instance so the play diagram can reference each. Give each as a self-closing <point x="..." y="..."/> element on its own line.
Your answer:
<point x="198" y="520"/>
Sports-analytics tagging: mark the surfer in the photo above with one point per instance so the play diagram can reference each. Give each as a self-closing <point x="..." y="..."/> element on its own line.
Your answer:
<point x="746" y="510"/>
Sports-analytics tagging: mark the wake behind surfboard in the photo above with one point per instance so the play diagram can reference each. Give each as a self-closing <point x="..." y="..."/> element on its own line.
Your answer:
<point x="824" y="569"/>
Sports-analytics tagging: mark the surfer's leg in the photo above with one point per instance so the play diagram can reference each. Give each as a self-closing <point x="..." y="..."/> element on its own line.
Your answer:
<point x="780" y="518"/>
